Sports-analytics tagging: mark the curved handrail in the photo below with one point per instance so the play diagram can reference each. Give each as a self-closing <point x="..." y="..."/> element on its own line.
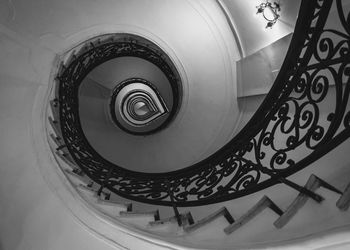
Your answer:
<point x="284" y="136"/>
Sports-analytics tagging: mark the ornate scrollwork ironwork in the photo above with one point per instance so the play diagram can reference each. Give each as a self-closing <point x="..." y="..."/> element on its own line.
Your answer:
<point x="302" y="118"/>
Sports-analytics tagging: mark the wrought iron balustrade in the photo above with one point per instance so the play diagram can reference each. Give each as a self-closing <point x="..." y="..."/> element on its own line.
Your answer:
<point x="287" y="133"/>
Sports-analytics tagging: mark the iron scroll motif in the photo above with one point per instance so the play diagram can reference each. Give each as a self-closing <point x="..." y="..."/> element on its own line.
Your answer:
<point x="302" y="118"/>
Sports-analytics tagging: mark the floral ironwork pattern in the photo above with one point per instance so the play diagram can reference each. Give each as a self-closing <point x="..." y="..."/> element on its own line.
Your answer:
<point x="302" y="118"/>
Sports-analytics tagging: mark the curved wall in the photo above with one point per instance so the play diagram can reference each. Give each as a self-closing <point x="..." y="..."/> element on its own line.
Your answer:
<point x="32" y="35"/>
<point x="209" y="97"/>
<point x="38" y="207"/>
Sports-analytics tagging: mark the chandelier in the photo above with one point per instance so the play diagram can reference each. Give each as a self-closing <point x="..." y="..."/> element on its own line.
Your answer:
<point x="269" y="11"/>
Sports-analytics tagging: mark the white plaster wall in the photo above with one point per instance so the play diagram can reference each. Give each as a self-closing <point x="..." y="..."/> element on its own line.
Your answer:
<point x="33" y="217"/>
<point x="265" y="64"/>
<point x="266" y="61"/>
<point x="204" y="122"/>
<point x="32" y="35"/>
<point x="38" y="209"/>
<point x="251" y="27"/>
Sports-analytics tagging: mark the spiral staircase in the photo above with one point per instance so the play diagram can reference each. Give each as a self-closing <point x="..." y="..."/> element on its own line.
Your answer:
<point x="139" y="142"/>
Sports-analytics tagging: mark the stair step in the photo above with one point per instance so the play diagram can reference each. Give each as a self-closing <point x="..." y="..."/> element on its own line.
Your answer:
<point x="105" y="40"/>
<point x="87" y="189"/>
<point x="76" y="172"/>
<point x="312" y="185"/>
<point x="139" y="219"/>
<point x="70" y="58"/>
<point x="87" y="192"/>
<point x="83" y="49"/>
<point x="61" y="69"/>
<point x="186" y="219"/>
<point x="66" y="160"/>
<point x="56" y="88"/>
<point x="57" y="140"/>
<point x="221" y="212"/>
<point x="77" y="175"/>
<point x="113" y="206"/>
<point x="66" y="153"/>
<point x="55" y="126"/>
<point x="54" y="110"/>
<point x="131" y="214"/>
<point x="90" y="191"/>
<point x="343" y="202"/>
<point x="264" y="203"/>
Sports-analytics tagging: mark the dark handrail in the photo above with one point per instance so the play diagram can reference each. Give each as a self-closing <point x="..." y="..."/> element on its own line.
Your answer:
<point x="264" y="152"/>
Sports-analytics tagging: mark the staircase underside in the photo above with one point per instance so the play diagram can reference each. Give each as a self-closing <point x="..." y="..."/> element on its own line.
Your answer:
<point x="51" y="202"/>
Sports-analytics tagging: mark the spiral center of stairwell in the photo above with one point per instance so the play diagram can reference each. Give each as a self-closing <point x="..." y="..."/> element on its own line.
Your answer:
<point x="140" y="108"/>
<point x="137" y="106"/>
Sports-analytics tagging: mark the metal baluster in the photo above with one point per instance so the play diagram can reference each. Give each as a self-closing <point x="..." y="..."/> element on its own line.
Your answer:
<point x="176" y="211"/>
<point x="105" y="181"/>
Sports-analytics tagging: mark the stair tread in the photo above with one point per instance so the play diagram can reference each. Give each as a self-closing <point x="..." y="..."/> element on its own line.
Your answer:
<point x="103" y="202"/>
<point x="61" y="68"/>
<point x="70" y="58"/>
<point x="54" y="109"/>
<point x="221" y="212"/>
<point x="312" y="184"/>
<point x="262" y="204"/>
<point x="186" y="218"/>
<point x="131" y="214"/>
<point x="56" y="140"/>
<point x="82" y="178"/>
<point x="137" y="213"/>
<point x="86" y="188"/>
<point x="343" y="202"/>
<point x="55" y="126"/>
<point x="66" y="160"/>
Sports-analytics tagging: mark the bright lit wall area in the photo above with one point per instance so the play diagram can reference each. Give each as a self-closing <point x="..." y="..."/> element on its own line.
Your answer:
<point x="250" y="27"/>
<point x="33" y="36"/>
<point x="41" y="208"/>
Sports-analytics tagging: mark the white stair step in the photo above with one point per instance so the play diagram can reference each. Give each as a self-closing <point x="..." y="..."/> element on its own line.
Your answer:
<point x="66" y="160"/>
<point x="113" y="208"/>
<point x="71" y="57"/>
<point x="186" y="219"/>
<point x="90" y="192"/>
<point x="154" y="214"/>
<point x="55" y="126"/>
<point x="166" y="229"/>
<point x="87" y="190"/>
<point x="264" y="203"/>
<point x="54" y="109"/>
<point x="201" y="223"/>
<point x="312" y="185"/>
<point x="344" y="201"/>
<point x="61" y="69"/>
<point x="139" y="218"/>
<point x="57" y="140"/>
<point x="77" y="177"/>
